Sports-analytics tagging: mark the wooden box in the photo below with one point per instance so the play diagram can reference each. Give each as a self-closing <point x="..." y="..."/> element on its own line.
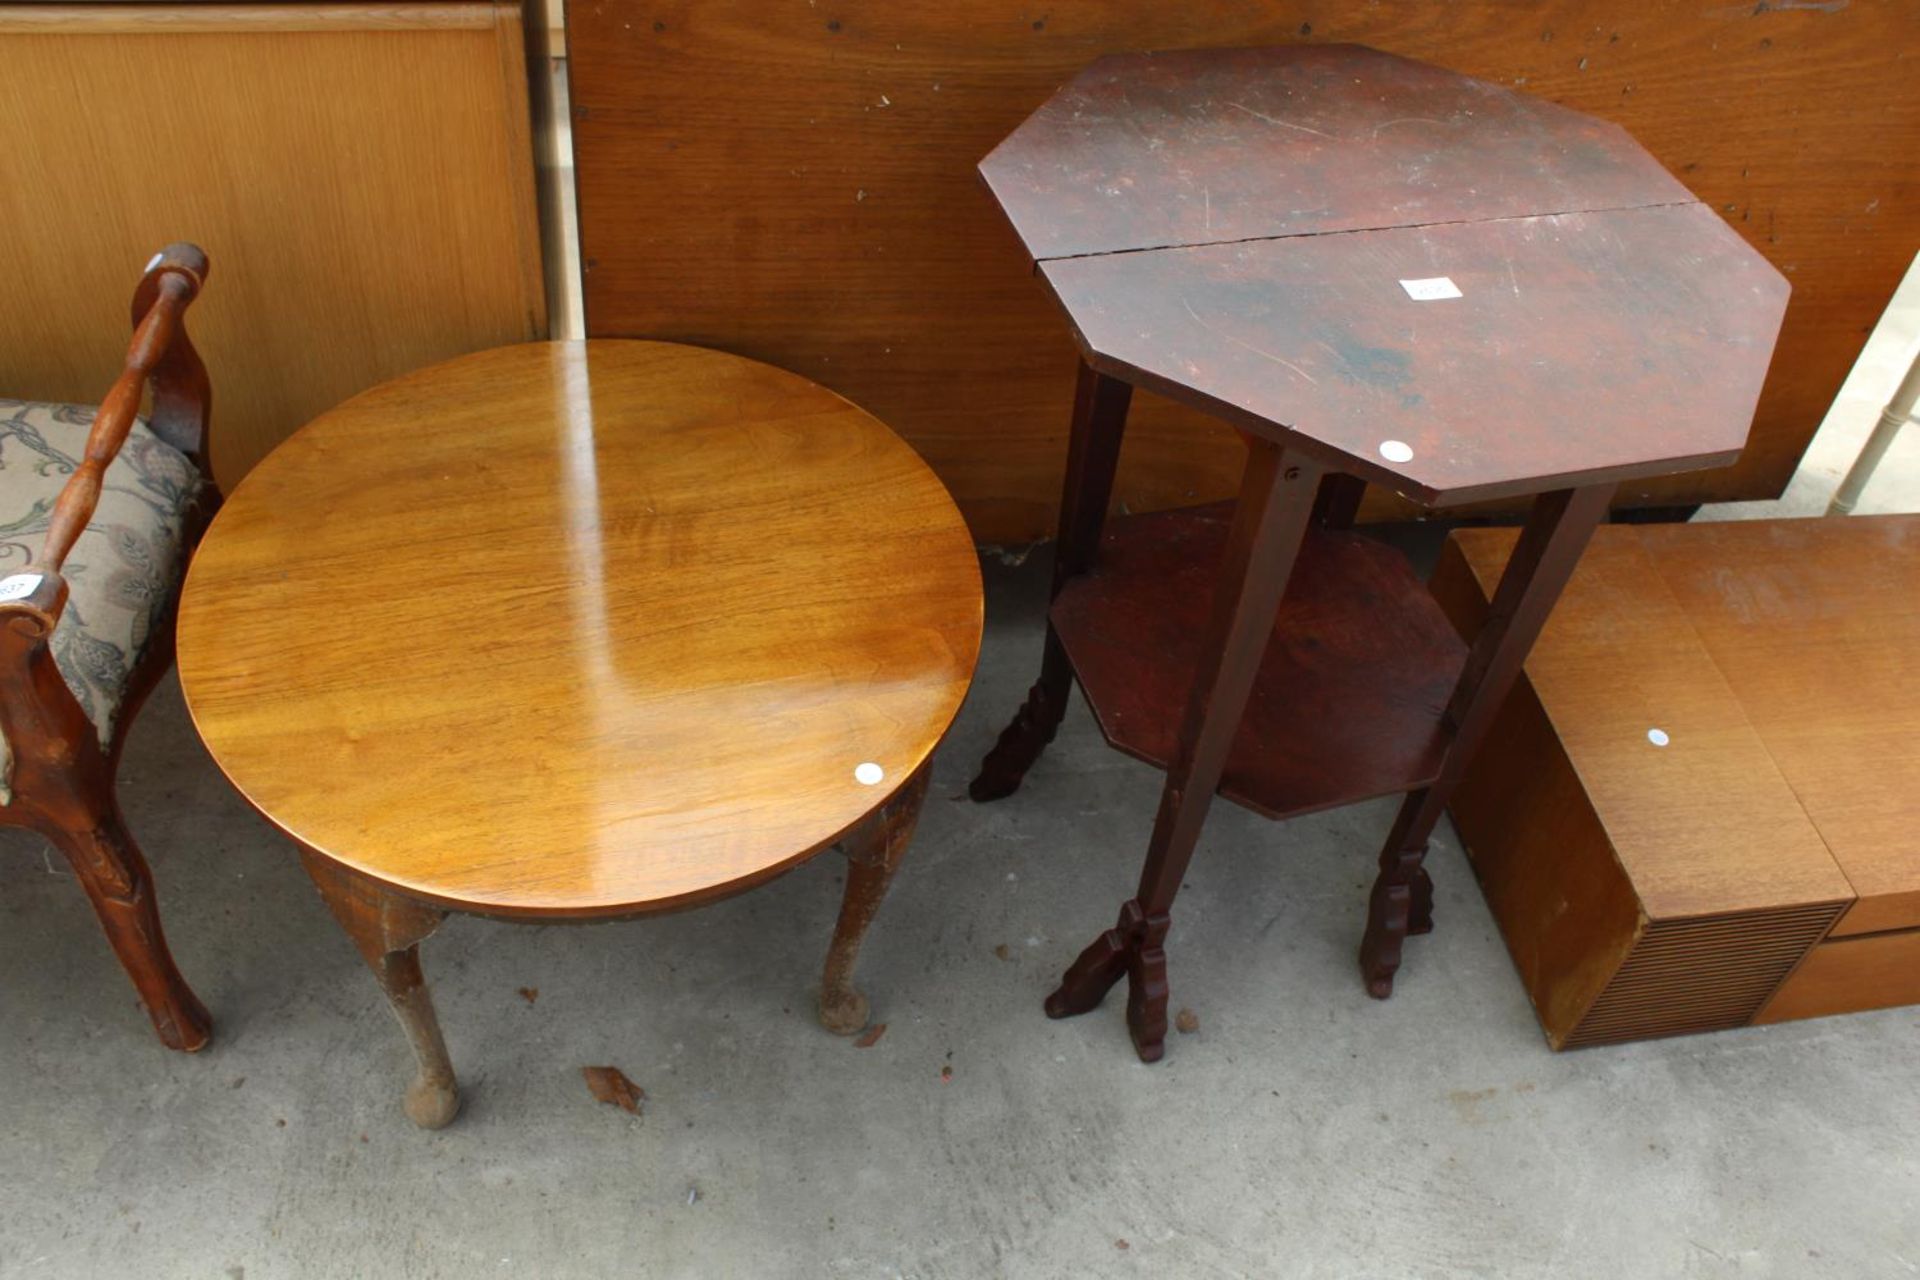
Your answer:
<point x="1697" y="809"/>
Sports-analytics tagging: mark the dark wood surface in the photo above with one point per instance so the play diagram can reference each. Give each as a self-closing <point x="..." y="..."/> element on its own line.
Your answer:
<point x="1100" y="407"/>
<point x="1530" y="370"/>
<point x="1270" y="520"/>
<point x="821" y="210"/>
<point x="1354" y="677"/>
<point x="63" y="777"/>
<point x="1539" y="377"/>
<point x="1212" y="146"/>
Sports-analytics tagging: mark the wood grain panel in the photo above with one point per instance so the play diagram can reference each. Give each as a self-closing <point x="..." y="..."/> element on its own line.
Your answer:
<point x="1846" y="975"/>
<point x="795" y="182"/>
<point x="1817" y="624"/>
<point x="360" y="175"/>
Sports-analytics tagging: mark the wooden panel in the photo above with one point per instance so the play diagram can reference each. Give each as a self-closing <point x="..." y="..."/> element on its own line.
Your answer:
<point x="360" y="175"/>
<point x="796" y="183"/>
<point x="1846" y="975"/>
<point x="1710" y="973"/>
<point x="1562" y="901"/>
<point x="1817" y="624"/>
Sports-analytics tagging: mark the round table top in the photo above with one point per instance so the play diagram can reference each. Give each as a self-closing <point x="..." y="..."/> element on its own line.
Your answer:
<point x="576" y="629"/>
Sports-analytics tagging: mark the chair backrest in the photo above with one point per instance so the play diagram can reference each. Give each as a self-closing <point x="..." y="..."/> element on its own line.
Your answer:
<point x="161" y="353"/>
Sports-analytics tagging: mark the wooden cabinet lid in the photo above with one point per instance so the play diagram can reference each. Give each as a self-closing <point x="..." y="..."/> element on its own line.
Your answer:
<point x="1815" y="624"/>
<point x="1699" y="813"/>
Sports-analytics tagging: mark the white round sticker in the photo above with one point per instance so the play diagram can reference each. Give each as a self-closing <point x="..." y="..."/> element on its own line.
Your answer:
<point x="1658" y="737"/>
<point x="1396" y="451"/>
<point x="868" y="773"/>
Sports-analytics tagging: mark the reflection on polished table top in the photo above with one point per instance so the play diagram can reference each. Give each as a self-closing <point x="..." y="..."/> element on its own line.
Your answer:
<point x="580" y="628"/>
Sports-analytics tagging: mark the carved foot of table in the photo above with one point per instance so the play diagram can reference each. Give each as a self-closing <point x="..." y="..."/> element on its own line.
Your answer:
<point x="110" y="868"/>
<point x="1022" y="741"/>
<point x="1402" y="904"/>
<point x="873" y="855"/>
<point x="1135" y="946"/>
<point x="388" y="929"/>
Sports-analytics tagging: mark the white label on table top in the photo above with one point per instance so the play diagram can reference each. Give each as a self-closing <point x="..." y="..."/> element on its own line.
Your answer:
<point x="19" y="586"/>
<point x="1658" y="737"/>
<point x="868" y="774"/>
<point x="1396" y="451"/>
<point x="1431" y="290"/>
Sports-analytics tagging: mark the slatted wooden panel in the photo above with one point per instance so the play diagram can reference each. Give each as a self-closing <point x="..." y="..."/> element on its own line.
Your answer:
<point x="1705" y="974"/>
<point x="795" y="182"/>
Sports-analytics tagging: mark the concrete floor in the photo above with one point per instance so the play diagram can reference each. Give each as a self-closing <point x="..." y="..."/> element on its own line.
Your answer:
<point x="1304" y="1130"/>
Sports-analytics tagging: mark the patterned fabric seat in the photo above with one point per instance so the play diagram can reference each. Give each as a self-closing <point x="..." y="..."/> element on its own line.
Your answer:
<point x="124" y="570"/>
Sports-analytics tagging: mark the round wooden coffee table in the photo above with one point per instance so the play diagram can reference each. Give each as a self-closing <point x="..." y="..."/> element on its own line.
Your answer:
<point x="581" y="630"/>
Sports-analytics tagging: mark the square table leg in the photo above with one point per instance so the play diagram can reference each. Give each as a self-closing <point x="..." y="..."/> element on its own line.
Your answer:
<point x="388" y="930"/>
<point x="1276" y="504"/>
<point x="873" y="855"/>
<point x="1556" y="533"/>
<point x="1093" y="454"/>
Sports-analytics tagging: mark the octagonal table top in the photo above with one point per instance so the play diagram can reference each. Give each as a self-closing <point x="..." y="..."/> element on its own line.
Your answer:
<point x="1449" y="288"/>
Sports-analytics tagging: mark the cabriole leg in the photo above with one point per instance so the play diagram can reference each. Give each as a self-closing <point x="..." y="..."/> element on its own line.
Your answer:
<point x="388" y="929"/>
<point x="109" y="866"/>
<point x="873" y="855"/>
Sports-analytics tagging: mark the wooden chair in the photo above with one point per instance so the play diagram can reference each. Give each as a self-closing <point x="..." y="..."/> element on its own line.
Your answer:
<point x="86" y="621"/>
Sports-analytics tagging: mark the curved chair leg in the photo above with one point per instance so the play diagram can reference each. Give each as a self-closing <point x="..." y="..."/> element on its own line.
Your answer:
<point x="388" y="929"/>
<point x="109" y="866"/>
<point x="873" y="855"/>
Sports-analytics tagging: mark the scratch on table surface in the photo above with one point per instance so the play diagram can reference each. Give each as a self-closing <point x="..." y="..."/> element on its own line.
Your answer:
<point x="1388" y="124"/>
<point x="1206" y="195"/>
<point x="1220" y="333"/>
<point x="1284" y="124"/>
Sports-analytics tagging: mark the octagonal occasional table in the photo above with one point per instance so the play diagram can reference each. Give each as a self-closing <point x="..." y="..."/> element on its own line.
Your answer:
<point x="572" y="631"/>
<point x="1383" y="273"/>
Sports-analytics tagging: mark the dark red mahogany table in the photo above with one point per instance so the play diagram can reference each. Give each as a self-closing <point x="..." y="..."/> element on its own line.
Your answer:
<point x="1383" y="273"/>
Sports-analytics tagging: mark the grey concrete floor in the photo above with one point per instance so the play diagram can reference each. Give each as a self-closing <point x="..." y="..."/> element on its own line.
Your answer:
<point x="1303" y="1130"/>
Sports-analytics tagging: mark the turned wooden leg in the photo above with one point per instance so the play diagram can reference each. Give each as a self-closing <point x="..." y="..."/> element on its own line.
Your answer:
<point x="1401" y="903"/>
<point x="1276" y="504"/>
<point x="107" y="862"/>
<point x="1093" y="455"/>
<point x="388" y="929"/>
<point x="873" y="855"/>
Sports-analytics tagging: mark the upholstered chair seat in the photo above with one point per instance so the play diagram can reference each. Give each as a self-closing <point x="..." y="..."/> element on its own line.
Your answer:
<point x="123" y="572"/>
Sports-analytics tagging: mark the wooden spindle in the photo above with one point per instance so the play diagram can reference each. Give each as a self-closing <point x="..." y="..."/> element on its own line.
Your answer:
<point x="151" y="340"/>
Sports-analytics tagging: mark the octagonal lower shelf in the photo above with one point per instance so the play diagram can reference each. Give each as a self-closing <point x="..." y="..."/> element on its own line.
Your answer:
<point x="1349" y="700"/>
